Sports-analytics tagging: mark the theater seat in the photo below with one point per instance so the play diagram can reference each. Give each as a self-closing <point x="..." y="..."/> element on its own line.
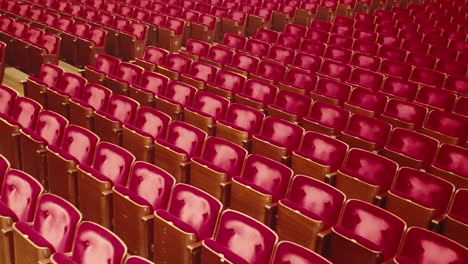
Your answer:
<point x="207" y="108"/>
<point x="111" y="166"/>
<point x="366" y="233"/>
<point x="401" y="113"/>
<point x="419" y="198"/>
<point x="23" y="115"/>
<point x="35" y="86"/>
<point x="103" y="246"/>
<point x="259" y="187"/>
<point x="239" y="239"/>
<point x="104" y="65"/>
<point x="77" y="147"/>
<point x="148" y="190"/>
<point x="58" y="97"/>
<point x="152" y="57"/>
<point x="326" y="119"/>
<point x="182" y="142"/>
<point x="446" y="127"/>
<point x="52" y="230"/>
<point x="366" y="132"/>
<point x="18" y="198"/>
<point x="139" y="134"/>
<point x="288" y="252"/>
<point x="421" y="245"/>
<point x="212" y="171"/>
<point x="48" y="131"/>
<point x="290" y="106"/>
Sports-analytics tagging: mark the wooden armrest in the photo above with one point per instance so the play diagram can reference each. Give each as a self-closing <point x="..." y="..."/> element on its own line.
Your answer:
<point x="330" y="178"/>
<point x="107" y="192"/>
<point x="147" y="218"/>
<point x="195" y="247"/>
<point x="7" y="230"/>
<point x="322" y="240"/>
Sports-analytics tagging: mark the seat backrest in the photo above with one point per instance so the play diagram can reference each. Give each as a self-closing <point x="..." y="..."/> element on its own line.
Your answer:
<point x="317" y="199"/>
<point x="64" y="23"/>
<point x="244" y="118"/>
<point x="406" y="111"/>
<point x="282" y="132"/>
<point x="151" y="183"/>
<point x="333" y="88"/>
<point x="186" y="138"/>
<point x="323" y="149"/>
<point x="113" y="162"/>
<point x="180" y="93"/>
<point x="210" y="104"/>
<point x="371" y="168"/>
<point x="456" y="84"/>
<point x="138" y="30"/>
<point x="203" y="71"/>
<point x="220" y="54"/>
<point x="18" y="29"/>
<point x="175" y="25"/>
<point x="51" y="43"/>
<point x="447" y="123"/>
<point x="260" y="91"/>
<point x="424" y="246"/>
<point x="33" y="35"/>
<point x="178" y="63"/>
<point x="208" y="20"/>
<point x="374" y="225"/>
<point x="399" y="88"/>
<point x="230" y="81"/>
<point x="288" y="252"/>
<point x="295" y="29"/>
<point x="25" y="112"/>
<point x="151" y="122"/>
<point x="19" y="193"/>
<point x="224" y="155"/>
<point x="7" y="100"/>
<point x="271" y="176"/>
<point x="155" y="55"/>
<point x="5" y="23"/>
<point x="329" y="115"/>
<point x="50" y="74"/>
<point x="129" y="72"/>
<point x="56" y="220"/>
<point x="197" y="47"/>
<point x="120" y="23"/>
<point x="96" y="96"/>
<point x="96" y="244"/>
<point x="122" y="108"/>
<point x="300" y="79"/>
<point x="50" y="126"/>
<point x="368" y="99"/>
<point x="195" y="208"/>
<point x="234" y="41"/>
<point x="245" y="62"/>
<point x="79" y="29"/>
<point x="246" y="237"/>
<point x="267" y="35"/>
<point x="79" y="143"/>
<point x="153" y="82"/>
<point x="289" y="40"/>
<point x="71" y="84"/>
<point x="257" y="47"/>
<point x="107" y="64"/>
<point x="423" y="188"/>
<point x="336" y="69"/>
<point x="307" y="61"/>
<point x="413" y="144"/>
<point x="97" y="36"/>
<point x="452" y="158"/>
<point x="293" y="103"/>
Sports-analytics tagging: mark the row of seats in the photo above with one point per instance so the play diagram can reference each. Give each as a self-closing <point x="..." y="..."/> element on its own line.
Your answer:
<point x="81" y="35"/>
<point x="27" y="46"/>
<point x="322" y="163"/>
<point x="43" y="225"/>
